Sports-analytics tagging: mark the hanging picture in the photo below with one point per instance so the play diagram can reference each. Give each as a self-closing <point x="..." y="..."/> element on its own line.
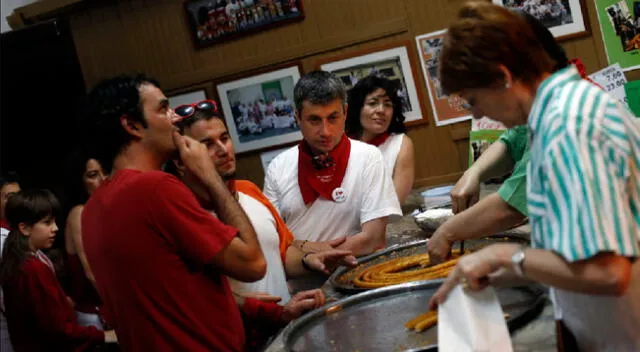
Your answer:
<point x="564" y="18"/>
<point x="393" y="64"/>
<point x="259" y="109"/>
<point x="214" y="21"/>
<point x="620" y="26"/>
<point x="447" y="109"/>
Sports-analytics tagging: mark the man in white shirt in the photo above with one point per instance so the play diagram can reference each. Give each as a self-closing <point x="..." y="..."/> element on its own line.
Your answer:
<point x="330" y="186"/>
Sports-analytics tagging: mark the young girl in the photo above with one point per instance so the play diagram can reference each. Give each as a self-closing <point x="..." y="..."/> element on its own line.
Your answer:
<point x="39" y="316"/>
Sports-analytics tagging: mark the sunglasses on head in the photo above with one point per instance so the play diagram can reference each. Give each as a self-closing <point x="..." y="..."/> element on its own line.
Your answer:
<point x="187" y="110"/>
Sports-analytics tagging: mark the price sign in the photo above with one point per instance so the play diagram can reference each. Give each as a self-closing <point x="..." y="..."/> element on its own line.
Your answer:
<point x="612" y="80"/>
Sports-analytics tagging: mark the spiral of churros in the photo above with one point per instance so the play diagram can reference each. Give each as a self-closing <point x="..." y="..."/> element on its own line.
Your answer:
<point x="404" y="269"/>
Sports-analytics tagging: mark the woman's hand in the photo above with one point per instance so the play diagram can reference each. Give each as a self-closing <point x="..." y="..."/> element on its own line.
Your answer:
<point x="466" y="192"/>
<point x="473" y="270"/>
<point x="439" y="246"/>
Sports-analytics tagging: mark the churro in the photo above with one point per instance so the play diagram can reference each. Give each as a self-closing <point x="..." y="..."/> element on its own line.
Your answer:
<point x="423" y="321"/>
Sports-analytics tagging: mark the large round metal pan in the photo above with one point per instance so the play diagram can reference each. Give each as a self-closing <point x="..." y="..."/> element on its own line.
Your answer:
<point x="342" y="277"/>
<point x="374" y="320"/>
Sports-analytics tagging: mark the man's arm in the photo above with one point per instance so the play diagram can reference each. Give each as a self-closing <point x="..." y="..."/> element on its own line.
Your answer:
<point x="323" y="261"/>
<point x="370" y="239"/>
<point x="494" y="162"/>
<point x="242" y="258"/>
<point x="492" y="214"/>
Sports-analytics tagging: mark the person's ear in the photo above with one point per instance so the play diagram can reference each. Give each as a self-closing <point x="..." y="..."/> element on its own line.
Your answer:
<point x="24" y="229"/>
<point x="508" y="78"/>
<point x="297" y="116"/>
<point x="132" y="127"/>
<point x="180" y="168"/>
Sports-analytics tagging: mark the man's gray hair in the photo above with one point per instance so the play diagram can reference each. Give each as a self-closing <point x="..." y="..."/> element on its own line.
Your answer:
<point x="318" y="87"/>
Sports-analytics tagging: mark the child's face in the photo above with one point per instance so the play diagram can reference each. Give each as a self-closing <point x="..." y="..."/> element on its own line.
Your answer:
<point x="41" y="234"/>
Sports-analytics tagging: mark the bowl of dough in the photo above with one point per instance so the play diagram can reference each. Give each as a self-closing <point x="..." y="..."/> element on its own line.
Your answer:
<point x="429" y="220"/>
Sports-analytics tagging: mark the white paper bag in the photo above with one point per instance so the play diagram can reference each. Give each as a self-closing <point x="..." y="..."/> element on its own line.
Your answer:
<point x="472" y="321"/>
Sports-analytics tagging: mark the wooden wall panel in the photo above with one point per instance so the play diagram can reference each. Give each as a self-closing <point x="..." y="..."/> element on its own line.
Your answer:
<point x="152" y="36"/>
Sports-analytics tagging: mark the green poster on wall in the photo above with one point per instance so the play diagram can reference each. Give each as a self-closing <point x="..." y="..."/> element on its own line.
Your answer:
<point x="620" y="26"/>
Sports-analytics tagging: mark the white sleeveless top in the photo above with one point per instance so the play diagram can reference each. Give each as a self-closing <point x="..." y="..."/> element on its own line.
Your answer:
<point x="274" y="281"/>
<point x="390" y="150"/>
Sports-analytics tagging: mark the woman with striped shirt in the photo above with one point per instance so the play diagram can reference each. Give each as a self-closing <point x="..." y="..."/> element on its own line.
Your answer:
<point x="583" y="185"/>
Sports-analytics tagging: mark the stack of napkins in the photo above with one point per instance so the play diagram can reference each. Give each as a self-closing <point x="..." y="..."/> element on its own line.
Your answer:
<point x="472" y="321"/>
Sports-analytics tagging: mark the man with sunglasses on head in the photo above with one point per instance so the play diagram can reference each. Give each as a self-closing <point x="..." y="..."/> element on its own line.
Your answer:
<point x="160" y="260"/>
<point x="202" y="122"/>
<point x="329" y="186"/>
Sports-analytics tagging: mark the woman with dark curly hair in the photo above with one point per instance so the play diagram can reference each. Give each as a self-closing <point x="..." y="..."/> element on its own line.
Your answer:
<point x="85" y="176"/>
<point x="374" y="116"/>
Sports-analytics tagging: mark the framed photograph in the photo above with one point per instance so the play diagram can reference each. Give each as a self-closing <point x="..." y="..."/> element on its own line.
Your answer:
<point x="259" y="109"/>
<point x="620" y="25"/>
<point x="446" y="109"/>
<point x="394" y="64"/>
<point x="215" y="21"/>
<point x="566" y="19"/>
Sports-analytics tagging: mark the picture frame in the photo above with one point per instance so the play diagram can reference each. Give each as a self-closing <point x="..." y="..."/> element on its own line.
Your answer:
<point x="259" y="109"/>
<point x="214" y="21"/>
<point x="447" y="109"/>
<point x="393" y="62"/>
<point x="620" y="26"/>
<point x="566" y="19"/>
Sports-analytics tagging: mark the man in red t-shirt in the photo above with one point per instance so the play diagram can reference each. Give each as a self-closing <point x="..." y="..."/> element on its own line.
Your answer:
<point x="158" y="258"/>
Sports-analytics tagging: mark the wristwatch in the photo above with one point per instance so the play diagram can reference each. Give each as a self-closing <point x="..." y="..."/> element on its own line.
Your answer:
<point x="517" y="261"/>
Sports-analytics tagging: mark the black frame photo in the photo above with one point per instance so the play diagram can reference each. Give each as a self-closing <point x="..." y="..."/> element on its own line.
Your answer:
<point x="215" y="21"/>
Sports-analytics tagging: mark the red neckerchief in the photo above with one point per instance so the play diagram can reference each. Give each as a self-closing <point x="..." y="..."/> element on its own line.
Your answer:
<point x="320" y="175"/>
<point x="379" y="139"/>
<point x="581" y="69"/>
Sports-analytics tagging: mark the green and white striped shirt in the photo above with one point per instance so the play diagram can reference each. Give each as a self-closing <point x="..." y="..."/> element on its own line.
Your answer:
<point x="584" y="176"/>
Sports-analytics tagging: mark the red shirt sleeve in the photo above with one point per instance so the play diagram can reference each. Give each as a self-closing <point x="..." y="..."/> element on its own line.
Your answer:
<point x="49" y="303"/>
<point x="197" y="234"/>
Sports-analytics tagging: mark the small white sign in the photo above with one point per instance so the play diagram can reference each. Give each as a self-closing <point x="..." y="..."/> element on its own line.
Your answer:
<point x="612" y="80"/>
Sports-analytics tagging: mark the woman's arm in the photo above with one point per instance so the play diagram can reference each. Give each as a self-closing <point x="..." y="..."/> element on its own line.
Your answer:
<point x="404" y="170"/>
<point x="74" y="232"/>
<point x="606" y="273"/>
